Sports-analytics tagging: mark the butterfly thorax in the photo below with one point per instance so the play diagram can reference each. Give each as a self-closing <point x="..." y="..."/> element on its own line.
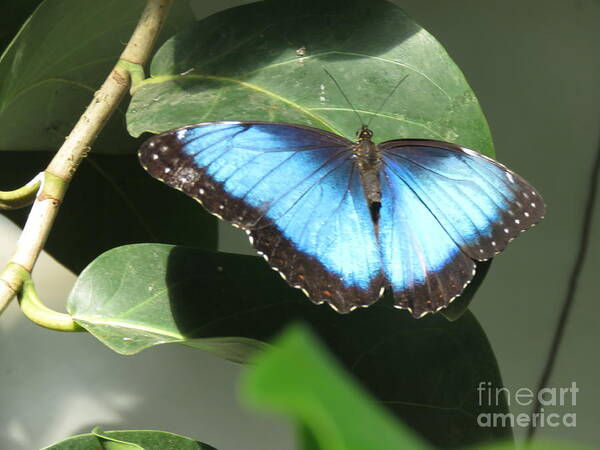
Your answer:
<point x="368" y="159"/>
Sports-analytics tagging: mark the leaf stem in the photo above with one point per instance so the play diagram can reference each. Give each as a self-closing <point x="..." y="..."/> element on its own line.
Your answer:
<point x="136" y="74"/>
<point x="64" y="164"/>
<point x="21" y="197"/>
<point x="37" y="312"/>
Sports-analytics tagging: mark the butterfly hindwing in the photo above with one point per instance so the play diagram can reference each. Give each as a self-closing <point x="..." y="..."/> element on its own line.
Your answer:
<point x="294" y="189"/>
<point x="480" y="203"/>
<point x="425" y="268"/>
<point x="338" y="261"/>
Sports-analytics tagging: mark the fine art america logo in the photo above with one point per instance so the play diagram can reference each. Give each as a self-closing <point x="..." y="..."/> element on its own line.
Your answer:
<point x="558" y="399"/>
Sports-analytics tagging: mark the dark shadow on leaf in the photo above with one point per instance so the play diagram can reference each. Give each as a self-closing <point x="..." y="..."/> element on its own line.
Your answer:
<point x="458" y="307"/>
<point x="425" y="371"/>
<point x="13" y="14"/>
<point x="238" y="41"/>
<point x="110" y="202"/>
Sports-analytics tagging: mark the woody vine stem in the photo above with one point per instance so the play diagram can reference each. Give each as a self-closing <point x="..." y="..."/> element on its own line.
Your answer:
<point x="47" y="190"/>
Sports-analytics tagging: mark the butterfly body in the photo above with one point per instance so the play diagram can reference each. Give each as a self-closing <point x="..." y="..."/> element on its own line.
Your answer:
<point x="343" y="220"/>
<point x="368" y="160"/>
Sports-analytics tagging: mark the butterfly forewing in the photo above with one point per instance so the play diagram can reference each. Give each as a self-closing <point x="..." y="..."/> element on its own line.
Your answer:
<point x="479" y="202"/>
<point x="239" y="170"/>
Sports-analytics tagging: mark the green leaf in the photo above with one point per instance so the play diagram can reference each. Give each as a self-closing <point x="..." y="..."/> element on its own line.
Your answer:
<point x="12" y="15"/>
<point x="425" y="371"/>
<point x="127" y="299"/>
<point x="111" y="443"/>
<point x="298" y="378"/>
<point x="244" y="64"/>
<point x="59" y="58"/>
<point x="130" y="439"/>
<point x="111" y="202"/>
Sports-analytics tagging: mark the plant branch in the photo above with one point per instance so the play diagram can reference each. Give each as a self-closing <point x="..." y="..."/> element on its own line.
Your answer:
<point x="76" y="146"/>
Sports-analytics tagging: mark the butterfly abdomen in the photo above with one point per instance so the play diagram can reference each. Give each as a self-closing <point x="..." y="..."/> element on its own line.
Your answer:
<point x="368" y="160"/>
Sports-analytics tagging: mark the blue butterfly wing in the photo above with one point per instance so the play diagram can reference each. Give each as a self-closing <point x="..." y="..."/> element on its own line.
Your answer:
<point x="480" y="203"/>
<point x="425" y="268"/>
<point x="444" y="206"/>
<point x="295" y="190"/>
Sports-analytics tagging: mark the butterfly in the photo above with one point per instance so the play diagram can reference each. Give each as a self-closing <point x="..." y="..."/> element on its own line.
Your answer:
<point x="343" y="220"/>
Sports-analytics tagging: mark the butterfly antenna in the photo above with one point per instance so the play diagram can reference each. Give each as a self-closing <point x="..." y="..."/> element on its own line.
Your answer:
<point x="345" y="96"/>
<point x="378" y="110"/>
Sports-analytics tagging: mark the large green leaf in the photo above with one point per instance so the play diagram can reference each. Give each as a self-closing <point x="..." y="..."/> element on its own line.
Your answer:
<point x="246" y="63"/>
<point x="59" y="58"/>
<point x="130" y="439"/>
<point x="12" y="15"/>
<point x="111" y="202"/>
<point x="425" y="371"/>
<point x="298" y="378"/>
